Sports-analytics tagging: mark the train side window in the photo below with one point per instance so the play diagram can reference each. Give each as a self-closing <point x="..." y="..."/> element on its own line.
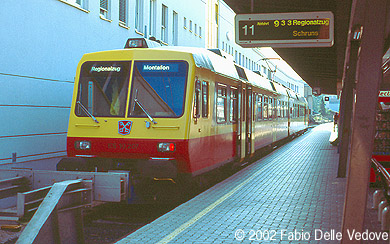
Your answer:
<point x="299" y="110"/>
<point x="284" y="109"/>
<point x="265" y="107"/>
<point x="254" y="106"/>
<point x="197" y="99"/>
<point x="292" y="111"/>
<point x="270" y="108"/>
<point x="259" y="107"/>
<point x="281" y="109"/>
<point x="233" y="104"/>
<point x="205" y="99"/>
<point x="243" y="99"/>
<point x="221" y="104"/>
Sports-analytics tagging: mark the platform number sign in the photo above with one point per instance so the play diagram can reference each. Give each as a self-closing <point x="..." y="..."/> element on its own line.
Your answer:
<point x="304" y="29"/>
<point x="124" y="127"/>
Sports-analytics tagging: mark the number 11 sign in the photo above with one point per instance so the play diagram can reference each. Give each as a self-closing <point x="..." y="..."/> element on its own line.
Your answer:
<point x="306" y="29"/>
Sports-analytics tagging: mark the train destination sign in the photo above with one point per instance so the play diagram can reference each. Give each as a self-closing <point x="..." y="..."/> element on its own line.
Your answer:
<point x="306" y="29"/>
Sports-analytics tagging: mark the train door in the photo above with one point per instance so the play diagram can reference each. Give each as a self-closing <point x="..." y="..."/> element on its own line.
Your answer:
<point x="235" y="112"/>
<point x="289" y="117"/>
<point x="242" y="122"/>
<point x="276" y="119"/>
<point x="248" y="119"/>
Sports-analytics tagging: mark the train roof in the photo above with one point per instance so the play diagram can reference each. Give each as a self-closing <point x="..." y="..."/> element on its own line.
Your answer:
<point x="222" y="63"/>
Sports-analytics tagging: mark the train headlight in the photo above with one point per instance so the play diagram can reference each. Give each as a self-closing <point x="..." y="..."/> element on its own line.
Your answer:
<point x="82" y="145"/>
<point x="166" y="147"/>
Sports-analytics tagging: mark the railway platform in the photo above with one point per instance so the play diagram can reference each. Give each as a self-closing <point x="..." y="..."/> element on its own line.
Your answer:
<point x="292" y="195"/>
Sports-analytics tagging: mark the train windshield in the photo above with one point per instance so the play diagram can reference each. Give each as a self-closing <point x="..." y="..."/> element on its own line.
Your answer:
<point x="103" y="89"/>
<point x="158" y="89"/>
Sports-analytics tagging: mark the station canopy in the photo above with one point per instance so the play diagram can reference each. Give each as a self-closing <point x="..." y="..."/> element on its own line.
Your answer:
<point x="320" y="66"/>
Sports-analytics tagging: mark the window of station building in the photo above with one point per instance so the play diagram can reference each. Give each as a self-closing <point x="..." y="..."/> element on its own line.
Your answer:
<point x="259" y="107"/>
<point x="233" y="104"/>
<point x="269" y="74"/>
<point x="205" y="99"/>
<point x="175" y="29"/>
<point x="152" y="17"/>
<point x="221" y="104"/>
<point x="80" y="4"/>
<point x="190" y="26"/>
<point x="216" y="14"/>
<point x="123" y="12"/>
<point x="185" y="23"/>
<point x="200" y="31"/>
<point x="164" y="23"/>
<point x="105" y="9"/>
<point x="139" y="13"/>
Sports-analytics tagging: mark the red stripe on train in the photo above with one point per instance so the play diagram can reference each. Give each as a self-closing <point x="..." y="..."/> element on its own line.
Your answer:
<point x="192" y="155"/>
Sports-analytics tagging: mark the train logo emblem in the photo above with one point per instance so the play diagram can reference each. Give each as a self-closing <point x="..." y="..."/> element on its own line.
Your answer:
<point x="124" y="127"/>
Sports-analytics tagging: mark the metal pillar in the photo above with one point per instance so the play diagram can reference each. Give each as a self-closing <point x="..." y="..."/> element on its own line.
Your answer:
<point x="346" y="107"/>
<point x="369" y="75"/>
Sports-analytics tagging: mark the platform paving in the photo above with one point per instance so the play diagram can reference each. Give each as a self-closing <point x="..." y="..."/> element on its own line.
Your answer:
<point x="290" y="196"/>
<point x="293" y="190"/>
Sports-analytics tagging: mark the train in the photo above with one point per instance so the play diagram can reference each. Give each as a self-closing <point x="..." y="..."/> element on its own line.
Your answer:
<point x="173" y="114"/>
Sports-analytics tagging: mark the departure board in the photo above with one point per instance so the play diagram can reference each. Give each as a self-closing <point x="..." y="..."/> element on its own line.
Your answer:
<point x="307" y="29"/>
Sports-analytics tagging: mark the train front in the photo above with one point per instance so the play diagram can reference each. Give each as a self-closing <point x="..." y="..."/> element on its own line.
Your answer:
<point x="130" y="111"/>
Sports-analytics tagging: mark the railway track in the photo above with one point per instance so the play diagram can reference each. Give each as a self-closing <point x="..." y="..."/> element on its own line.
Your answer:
<point x="111" y="222"/>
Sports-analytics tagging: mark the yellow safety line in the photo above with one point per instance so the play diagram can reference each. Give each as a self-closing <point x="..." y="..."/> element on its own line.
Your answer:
<point x="190" y="222"/>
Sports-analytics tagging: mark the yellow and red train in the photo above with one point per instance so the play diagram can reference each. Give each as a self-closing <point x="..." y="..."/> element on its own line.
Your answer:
<point x="172" y="113"/>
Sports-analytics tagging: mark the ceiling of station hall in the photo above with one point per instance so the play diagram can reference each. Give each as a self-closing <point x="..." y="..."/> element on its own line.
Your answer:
<point x="319" y="67"/>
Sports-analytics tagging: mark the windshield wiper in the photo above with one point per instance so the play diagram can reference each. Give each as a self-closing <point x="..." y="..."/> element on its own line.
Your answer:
<point x="87" y="112"/>
<point x="142" y="107"/>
